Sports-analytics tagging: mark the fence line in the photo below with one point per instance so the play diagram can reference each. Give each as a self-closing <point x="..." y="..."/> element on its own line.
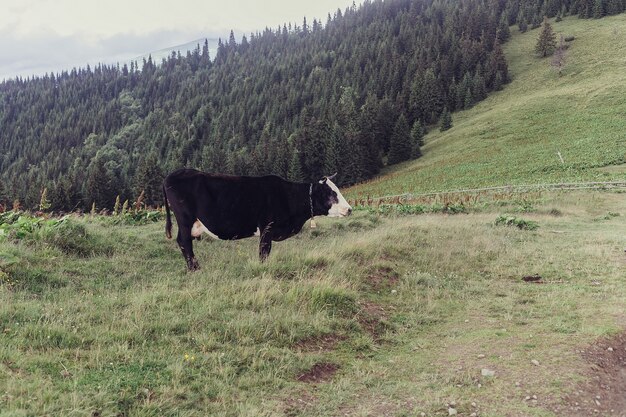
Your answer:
<point x="506" y="188"/>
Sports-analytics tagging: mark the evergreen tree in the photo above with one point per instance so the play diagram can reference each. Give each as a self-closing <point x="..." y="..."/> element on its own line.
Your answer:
<point x="503" y="32"/>
<point x="615" y="7"/>
<point x="522" y="25"/>
<point x="100" y="186"/>
<point x="598" y="9"/>
<point x="295" y="167"/>
<point x="498" y="81"/>
<point x="417" y="139"/>
<point x="445" y="120"/>
<point x="480" y="90"/>
<point x="536" y="22"/>
<point x="149" y="180"/>
<point x="546" y="43"/>
<point x="468" y="101"/>
<point x="496" y="65"/>
<point x="400" y="146"/>
<point x="280" y="159"/>
<point x="4" y="200"/>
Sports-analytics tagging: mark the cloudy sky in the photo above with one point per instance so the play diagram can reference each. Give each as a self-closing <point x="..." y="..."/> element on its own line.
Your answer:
<point x="39" y="36"/>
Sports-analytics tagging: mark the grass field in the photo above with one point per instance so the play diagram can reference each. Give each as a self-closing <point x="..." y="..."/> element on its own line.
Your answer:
<point x="372" y="315"/>
<point x="513" y="136"/>
<point x="378" y="314"/>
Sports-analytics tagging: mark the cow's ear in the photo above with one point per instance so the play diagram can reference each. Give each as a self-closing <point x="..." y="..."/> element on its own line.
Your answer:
<point x="332" y="177"/>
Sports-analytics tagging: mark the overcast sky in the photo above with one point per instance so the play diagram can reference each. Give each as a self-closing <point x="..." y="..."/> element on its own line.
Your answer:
<point x="39" y="36"/>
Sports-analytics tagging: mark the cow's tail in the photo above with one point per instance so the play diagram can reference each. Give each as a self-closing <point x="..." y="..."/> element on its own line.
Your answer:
<point x="168" y="217"/>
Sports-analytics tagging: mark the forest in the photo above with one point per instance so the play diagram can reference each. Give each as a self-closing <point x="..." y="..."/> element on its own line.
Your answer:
<point x="348" y="94"/>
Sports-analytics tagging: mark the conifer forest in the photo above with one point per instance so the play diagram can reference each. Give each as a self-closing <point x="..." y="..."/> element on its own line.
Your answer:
<point x="349" y="93"/>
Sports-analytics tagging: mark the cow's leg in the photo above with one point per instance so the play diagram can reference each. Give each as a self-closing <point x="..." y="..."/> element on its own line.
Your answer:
<point x="186" y="247"/>
<point x="265" y="245"/>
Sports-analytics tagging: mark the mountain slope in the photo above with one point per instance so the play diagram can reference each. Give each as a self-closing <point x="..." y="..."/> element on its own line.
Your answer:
<point x="513" y="136"/>
<point x="165" y="53"/>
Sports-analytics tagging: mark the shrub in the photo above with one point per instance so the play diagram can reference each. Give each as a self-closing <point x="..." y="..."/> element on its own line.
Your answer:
<point x="517" y="222"/>
<point x="63" y="233"/>
<point x="73" y="238"/>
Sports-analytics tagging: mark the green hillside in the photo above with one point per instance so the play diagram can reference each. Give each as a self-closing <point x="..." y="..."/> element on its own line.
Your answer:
<point x="513" y="136"/>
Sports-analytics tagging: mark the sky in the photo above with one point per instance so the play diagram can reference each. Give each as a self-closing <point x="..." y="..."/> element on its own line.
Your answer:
<point x="40" y="36"/>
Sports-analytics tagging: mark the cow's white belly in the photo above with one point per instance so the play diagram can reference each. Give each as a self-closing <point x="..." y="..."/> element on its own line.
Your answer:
<point x="198" y="228"/>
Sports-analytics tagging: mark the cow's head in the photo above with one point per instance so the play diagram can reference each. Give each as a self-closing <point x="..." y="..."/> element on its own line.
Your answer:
<point x="328" y="201"/>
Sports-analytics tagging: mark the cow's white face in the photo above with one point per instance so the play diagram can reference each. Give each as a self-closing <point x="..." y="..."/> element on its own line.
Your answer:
<point x="339" y="207"/>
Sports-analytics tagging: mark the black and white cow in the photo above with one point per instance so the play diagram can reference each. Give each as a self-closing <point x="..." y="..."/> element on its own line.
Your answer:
<point x="235" y="207"/>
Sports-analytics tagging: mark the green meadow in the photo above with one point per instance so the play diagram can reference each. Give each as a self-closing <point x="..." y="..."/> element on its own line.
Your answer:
<point x="377" y="314"/>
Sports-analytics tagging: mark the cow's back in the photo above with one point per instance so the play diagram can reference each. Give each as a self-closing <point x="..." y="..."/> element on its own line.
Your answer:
<point x="229" y="206"/>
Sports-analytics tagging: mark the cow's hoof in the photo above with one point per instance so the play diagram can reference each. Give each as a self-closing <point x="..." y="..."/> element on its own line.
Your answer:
<point x="193" y="265"/>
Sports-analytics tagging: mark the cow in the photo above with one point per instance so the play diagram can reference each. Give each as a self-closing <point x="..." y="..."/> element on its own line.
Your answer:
<point x="231" y="207"/>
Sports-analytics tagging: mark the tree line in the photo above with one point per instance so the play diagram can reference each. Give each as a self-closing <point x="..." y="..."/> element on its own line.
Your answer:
<point x="349" y="94"/>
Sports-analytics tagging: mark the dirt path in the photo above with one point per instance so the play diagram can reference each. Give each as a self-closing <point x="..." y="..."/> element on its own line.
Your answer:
<point x="604" y="391"/>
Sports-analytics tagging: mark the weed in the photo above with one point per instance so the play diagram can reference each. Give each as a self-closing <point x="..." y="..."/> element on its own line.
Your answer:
<point x="610" y="215"/>
<point x="73" y="238"/>
<point x="517" y="222"/>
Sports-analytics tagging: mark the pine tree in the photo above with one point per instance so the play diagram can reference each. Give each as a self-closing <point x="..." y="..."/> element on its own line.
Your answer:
<point x="503" y="33"/>
<point x="497" y="64"/>
<point x="295" y="167"/>
<point x="480" y="90"/>
<point x="497" y="81"/>
<point x="446" y="120"/>
<point x="100" y="185"/>
<point x="417" y="139"/>
<point x="400" y="146"/>
<point x="522" y="25"/>
<point x="546" y="43"/>
<point x="615" y="7"/>
<point x="536" y="22"/>
<point x="149" y="179"/>
<point x="468" y="101"/>
<point x="598" y="9"/>
<point x="4" y="201"/>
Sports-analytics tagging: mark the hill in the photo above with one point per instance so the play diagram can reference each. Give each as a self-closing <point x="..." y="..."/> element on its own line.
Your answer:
<point x="349" y="95"/>
<point x="515" y="135"/>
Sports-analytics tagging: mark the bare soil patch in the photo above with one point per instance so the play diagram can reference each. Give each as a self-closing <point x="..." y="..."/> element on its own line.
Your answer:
<point x="372" y="319"/>
<point x="320" y="343"/>
<point x="382" y="277"/>
<point x="320" y="372"/>
<point x="603" y="393"/>
<point x="297" y="404"/>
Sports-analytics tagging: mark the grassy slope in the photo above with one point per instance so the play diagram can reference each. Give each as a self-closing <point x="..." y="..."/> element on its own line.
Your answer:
<point x="410" y="301"/>
<point x="513" y="136"/>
